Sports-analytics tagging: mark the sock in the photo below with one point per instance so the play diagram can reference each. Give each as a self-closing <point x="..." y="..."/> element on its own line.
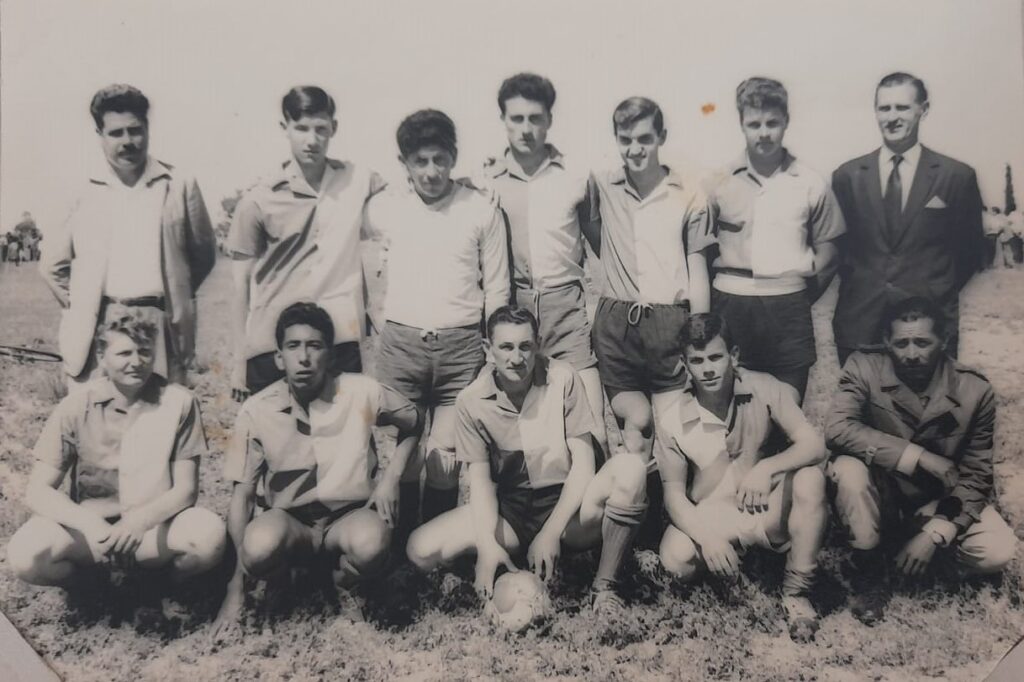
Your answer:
<point x="408" y="511"/>
<point x="618" y="528"/>
<point x="437" y="501"/>
<point x="798" y="582"/>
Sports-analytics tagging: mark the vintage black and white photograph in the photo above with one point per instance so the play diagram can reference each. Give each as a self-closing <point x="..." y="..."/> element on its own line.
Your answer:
<point x="666" y="340"/>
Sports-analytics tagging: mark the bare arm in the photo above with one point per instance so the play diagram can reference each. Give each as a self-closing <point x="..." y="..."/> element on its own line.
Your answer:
<point x="483" y="501"/>
<point x="826" y="264"/>
<point x="241" y="276"/>
<point x="44" y="498"/>
<point x="581" y="472"/>
<point x="700" y="285"/>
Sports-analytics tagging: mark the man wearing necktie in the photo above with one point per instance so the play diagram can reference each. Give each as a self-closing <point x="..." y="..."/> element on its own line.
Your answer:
<point x="913" y="220"/>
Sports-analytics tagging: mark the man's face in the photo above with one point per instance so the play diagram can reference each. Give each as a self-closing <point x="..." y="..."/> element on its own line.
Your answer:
<point x="309" y="137"/>
<point x="127" y="363"/>
<point x="526" y="124"/>
<point x="125" y="140"/>
<point x="304" y="357"/>
<point x="899" y="114"/>
<point x="915" y="349"/>
<point x="711" y="367"/>
<point x="513" y="350"/>
<point x="639" y="144"/>
<point x="429" y="169"/>
<point x="764" y="130"/>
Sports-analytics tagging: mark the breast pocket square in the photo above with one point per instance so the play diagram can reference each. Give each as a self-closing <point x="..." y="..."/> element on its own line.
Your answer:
<point x="935" y="202"/>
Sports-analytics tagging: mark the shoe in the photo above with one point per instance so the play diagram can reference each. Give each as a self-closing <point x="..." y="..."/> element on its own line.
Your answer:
<point x="868" y="606"/>
<point x="802" y="618"/>
<point x="607" y="604"/>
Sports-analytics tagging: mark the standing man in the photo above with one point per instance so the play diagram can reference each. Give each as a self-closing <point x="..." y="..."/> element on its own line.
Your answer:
<point x="650" y="231"/>
<point x="913" y="219"/>
<point x="541" y="195"/>
<point x="911" y="431"/>
<point x="308" y="438"/>
<point x="447" y="266"/>
<point x="295" y="236"/>
<point x="524" y="428"/>
<point x="777" y="222"/>
<point x="139" y="237"/>
<point x="726" y="489"/>
<point x="991" y="222"/>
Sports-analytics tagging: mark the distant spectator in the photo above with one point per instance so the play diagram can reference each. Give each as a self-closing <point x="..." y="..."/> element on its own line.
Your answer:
<point x="1016" y="220"/>
<point x="3" y="247"/>
<point x="990" y="219"/>
<point x="1005" y="236"/>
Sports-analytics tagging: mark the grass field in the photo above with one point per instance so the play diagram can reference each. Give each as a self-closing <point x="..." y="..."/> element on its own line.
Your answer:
<point x="431" y="629"/>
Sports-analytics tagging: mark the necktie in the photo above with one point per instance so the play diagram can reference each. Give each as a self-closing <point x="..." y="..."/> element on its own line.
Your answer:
<point x="894" y="196"/>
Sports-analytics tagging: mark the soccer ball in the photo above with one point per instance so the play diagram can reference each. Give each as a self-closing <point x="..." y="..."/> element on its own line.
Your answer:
<point x="520" y="599"/>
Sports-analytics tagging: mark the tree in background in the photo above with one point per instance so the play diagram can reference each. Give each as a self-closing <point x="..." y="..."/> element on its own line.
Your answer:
<point x="228" y="205"/>
<point x="1011" y="203"/>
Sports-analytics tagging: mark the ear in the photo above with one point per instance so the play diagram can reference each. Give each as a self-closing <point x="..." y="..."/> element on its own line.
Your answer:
<point x="279" y="360"/>
<point x="284" y="124"/>
<point x="662" y="137"/>
<point x="487" y="350"/>
<point x="334" y="127"/>
<point x="734" y="357"/>
<point x="925" y="107"/>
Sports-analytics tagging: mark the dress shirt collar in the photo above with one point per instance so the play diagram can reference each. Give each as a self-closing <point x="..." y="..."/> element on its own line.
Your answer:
<point x="507" y="164"/>
<point x="672" y="179"/>
<point x="105" y="392"/>
<point x="742" y="164"/>
<point x="943" y="383"/>
<point x="491" y="391"/>
<point x="153" y="171"/>
<point x="290" y="176"/>
<point x="691" y="410"/>
<point x="910" y="159"/>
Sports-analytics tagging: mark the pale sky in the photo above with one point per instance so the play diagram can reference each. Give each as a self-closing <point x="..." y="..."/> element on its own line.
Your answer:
<point x="215" y="73"/>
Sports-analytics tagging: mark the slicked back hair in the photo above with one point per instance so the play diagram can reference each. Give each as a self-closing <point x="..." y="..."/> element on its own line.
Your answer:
<point x="901" y="77"/>
<point x="306" y="313"/>
<point x="306" y="100"/>
<point x="510" y="314"/>
<point x="701" y="329"/>
<point x="528" y="86"/>
<point x="131" y="324"/>
<point x="914" y="309"/>
<point x="762" y="93"/>
<point x="119" y="98"/>
<point x="636" y="109"/>
<point x="426" y="128"/>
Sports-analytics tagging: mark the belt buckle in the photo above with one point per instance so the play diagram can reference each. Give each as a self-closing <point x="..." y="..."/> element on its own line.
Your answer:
<point x="429" y="335"/>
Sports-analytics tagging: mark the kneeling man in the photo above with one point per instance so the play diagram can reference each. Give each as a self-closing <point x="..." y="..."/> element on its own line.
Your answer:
<point x="911" y="434"/>
<point x="307" y="438"/>
<point x="132" y="443"/>
<point x="740" y="495"/>
<point x="525" y="429"/>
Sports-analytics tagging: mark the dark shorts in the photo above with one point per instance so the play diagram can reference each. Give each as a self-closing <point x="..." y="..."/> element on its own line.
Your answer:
<point x="527" y="510"/>
<point x="639" y="350"/>
<point x="319" y="519"/>
<point x="429" y="367"/>
<point x="774" y="333"/>
<point x="564" y="327"/>
<point x="261" y="370"/>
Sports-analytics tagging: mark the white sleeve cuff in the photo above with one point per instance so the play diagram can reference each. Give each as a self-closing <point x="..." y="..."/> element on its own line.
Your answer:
<point x="943" y="528"/>
<point x="907" y="462"/>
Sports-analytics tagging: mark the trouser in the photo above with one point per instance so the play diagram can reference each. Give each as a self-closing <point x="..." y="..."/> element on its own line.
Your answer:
<point x="871" y="507"/>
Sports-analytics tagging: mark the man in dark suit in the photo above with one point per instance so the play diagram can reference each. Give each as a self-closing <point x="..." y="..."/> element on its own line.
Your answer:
<point x="913" y="220"/>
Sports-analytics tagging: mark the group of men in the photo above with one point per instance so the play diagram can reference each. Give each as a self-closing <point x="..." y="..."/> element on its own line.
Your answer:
<point x="487" y="358"/>
<point x="1003" y="235"/>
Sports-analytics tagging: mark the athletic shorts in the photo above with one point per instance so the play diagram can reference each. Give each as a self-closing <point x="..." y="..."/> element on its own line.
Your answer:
<point x="564" y="327"/>
<point x="774" y="333"/>
<point x="637" y="345"/>
<point x="319" y="519"/>
<point x="527" y="510"/>
<point x="261" y="370"/>
<point x="429" y="367"/>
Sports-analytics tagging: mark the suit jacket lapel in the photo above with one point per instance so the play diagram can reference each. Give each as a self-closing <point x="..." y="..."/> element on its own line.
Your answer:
<point x="920" y="190"/>
<point x="872" y="189"/>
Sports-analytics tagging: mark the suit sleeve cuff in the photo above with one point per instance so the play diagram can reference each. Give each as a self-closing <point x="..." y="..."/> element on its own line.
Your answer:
<point x="907" y="463"/>
<point x="946" y="530"/>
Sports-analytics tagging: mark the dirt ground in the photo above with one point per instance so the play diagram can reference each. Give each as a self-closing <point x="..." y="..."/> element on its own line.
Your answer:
<point x="427" y="630"/>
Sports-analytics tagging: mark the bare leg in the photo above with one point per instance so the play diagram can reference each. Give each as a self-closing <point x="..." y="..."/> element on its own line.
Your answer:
<point x="633" y="410"/>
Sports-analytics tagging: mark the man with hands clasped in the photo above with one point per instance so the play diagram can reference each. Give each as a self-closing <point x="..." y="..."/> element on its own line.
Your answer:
<point x="525" y="429"/>
<point x="740" y="494"/>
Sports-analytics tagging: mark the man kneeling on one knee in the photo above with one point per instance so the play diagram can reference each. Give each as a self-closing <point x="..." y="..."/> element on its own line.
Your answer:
<point x="911" y="431"/>
<point x="308" y="438"/>
<point x="524" y="427"/>
<point x="740" y="495"/>
<point x="132" y="443"/>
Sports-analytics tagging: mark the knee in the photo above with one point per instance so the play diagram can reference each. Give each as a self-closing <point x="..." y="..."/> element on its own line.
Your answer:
<point x="678" y="555"/>
<point x="421" y="551"/>
<point x="203" y="536"/>
<point x="991" y="556"/>
<point x="850" y="474"/>
<point x="367" y="544"/>
<point x="629" y="476"/>
<point x="27" y="556"/>
<point x="809" y="488"/>
<point x="262" y="547"/>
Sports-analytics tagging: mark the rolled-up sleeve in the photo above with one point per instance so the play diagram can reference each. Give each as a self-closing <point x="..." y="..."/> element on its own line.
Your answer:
<point x="244" y="460"/>
<point x="190" y="441"/>
<point x="247" y="235"/>
<point x="58" y="443"/>
<point x="471" y="441"/>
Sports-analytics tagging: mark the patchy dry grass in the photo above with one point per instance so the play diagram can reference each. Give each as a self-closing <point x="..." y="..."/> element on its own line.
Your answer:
<point x="429" y="629"/>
